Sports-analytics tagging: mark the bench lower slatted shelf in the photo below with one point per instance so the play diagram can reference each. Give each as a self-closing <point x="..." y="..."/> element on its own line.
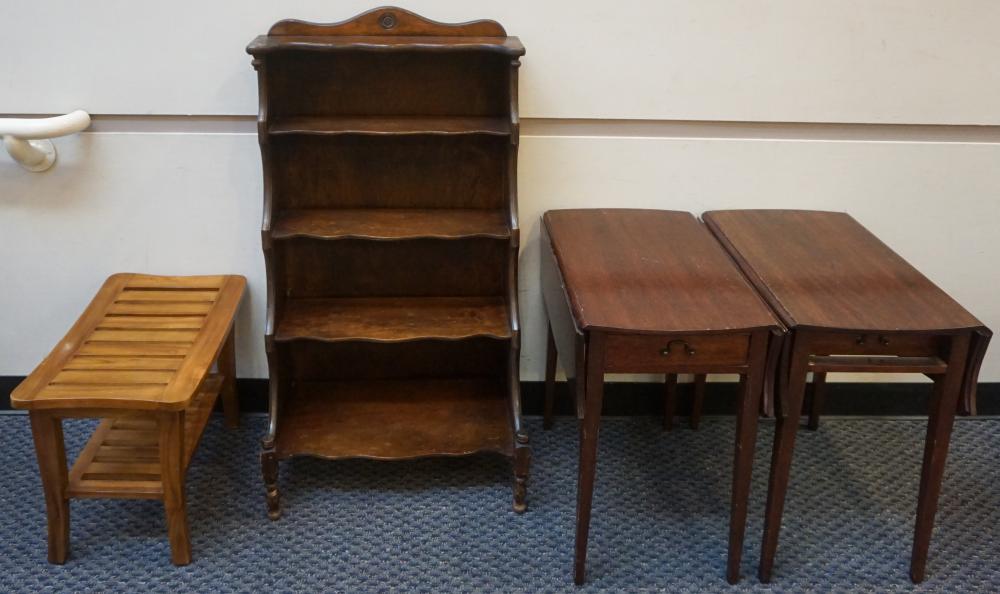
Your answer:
<point x="122" y="457"/>
<point x="140" y="358"/>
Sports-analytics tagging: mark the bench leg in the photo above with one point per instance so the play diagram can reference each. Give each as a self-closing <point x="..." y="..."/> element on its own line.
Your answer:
<point x="227" y="367"/>
<point x="699" y="400"/>
<point x="51" y="451"/>
<point x="551" y="357"/>
<point x="669" y="401"/>
<point x="171" y="427"/>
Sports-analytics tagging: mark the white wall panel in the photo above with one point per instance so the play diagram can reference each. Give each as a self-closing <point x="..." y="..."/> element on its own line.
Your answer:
<point x="160" y="203"/>
<point x="890" y="61"/>
<point x="190" y="203"/>
<point x="933" y="203"/>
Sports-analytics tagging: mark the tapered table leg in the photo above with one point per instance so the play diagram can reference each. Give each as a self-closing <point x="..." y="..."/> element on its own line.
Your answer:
<point x="748" y="408"/>
<point x="942" y="418"/>
<point x="51" y="451"/>
<point x="551" y="357"/>
<point x="594" y="395"/>
<point x="781" y="459"/>
<point x="669" y="401"/>
<point x="818" y="397"/>
<point x="699" y="400"/>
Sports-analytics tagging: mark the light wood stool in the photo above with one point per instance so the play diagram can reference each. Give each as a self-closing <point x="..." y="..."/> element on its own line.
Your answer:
<point x="140" y="357"/>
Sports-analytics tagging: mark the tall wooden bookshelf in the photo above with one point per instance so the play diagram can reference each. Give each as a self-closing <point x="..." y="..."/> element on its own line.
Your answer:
<point x="390" y="236"/>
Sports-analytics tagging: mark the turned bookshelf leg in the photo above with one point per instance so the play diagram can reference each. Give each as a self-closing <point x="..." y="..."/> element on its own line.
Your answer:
<point x="269" y="469"/>
<point x="51" y="451"/>
<point x="522" y="465"/>
<point x="172" y="475"/>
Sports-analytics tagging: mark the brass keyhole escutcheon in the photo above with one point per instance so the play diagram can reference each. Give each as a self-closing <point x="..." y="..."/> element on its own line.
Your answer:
<point x="665" y="351"/>
<point x="387" y="20"/>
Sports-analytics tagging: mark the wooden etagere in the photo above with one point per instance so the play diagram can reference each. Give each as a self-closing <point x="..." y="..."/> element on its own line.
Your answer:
<point x="390" y="236"/>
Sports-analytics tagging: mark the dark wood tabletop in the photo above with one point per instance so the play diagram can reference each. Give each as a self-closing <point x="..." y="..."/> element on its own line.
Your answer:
<point x="825" y="270"/>
<point x="624" y="273"/>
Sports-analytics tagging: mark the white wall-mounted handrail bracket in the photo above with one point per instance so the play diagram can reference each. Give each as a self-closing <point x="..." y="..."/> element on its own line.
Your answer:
<point x="27" y="139"/>
<point x="33" y="155"/>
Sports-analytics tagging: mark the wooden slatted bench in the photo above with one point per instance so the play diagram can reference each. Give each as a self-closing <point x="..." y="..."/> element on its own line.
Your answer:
<point x="140" y="358"/>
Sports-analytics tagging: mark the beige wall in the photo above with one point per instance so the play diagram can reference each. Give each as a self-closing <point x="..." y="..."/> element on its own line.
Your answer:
<point x="898" y="61"/>
<point x="625" y="105"/>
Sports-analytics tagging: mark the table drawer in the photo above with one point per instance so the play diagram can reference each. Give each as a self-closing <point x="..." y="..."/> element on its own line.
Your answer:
<point x="632" y="353"/>
<point x="877" y="343"/>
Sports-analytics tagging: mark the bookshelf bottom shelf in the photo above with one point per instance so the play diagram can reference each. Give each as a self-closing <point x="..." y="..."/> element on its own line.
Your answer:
<point x="395" y="419"/>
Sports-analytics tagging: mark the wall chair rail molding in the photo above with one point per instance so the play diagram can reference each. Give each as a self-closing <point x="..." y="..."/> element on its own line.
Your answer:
<point x="28" y="140"/>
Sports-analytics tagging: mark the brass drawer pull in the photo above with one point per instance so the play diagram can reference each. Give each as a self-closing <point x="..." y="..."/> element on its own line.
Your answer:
<point x="862" y="339"/>
<point x="687" y="348"/>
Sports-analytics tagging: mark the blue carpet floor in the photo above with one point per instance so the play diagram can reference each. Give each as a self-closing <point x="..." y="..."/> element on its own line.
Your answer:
<point x="443" y="525"/>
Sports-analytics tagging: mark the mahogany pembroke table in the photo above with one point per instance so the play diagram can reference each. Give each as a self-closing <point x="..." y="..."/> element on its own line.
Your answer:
<point x="851" y="304"/>
<point x="646" y="291"/>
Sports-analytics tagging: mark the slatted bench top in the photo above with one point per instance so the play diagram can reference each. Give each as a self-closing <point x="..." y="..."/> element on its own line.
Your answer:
<point x="825" y="270"/>
<point x="144" y="343"/>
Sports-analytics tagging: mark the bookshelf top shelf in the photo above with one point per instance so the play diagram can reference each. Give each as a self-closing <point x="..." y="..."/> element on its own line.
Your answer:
<point x="266" y="44"/>
<point x="388" y="28"/>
